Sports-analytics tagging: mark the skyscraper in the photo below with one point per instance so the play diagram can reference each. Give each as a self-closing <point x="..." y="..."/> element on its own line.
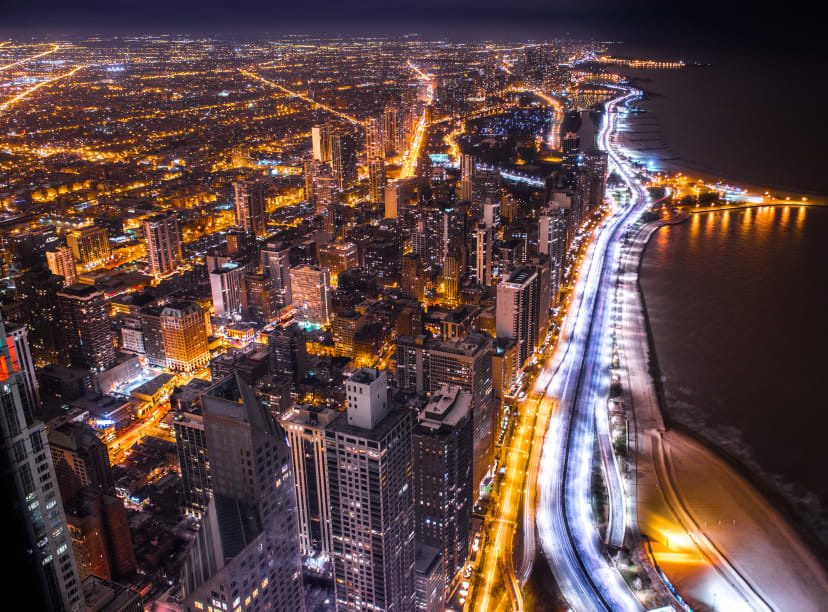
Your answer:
<point x="376" y="179"/>
<point x="163" y="243"/>
<point x="38" y="550"/>
<point x="191" y="445"/>
<point x="305" y="427"/>
<point x="62" y="263"/>
<point x="336" y="257"/>
<point x="483" y="247"/>
<point x="38" y="290"/>
<point x="250" y="206"/>
<point x="80" y="460"/>
<point x="467" y="163"/>
<point x="374" y="141"/>
<point x="18" y="337"/>
<point x="274" y="258"/>
<point x="517" y="315"/>
<point x="288" y="353"/>
<point x="371" y="499"/>
<point x="425" y="364"/>
<point x="442" y="444"/>
<point x="226" y="285"/>
<point x="344" y="155"/>
<point x="247" y="548"/>
<point x="311" y="288"/>
<point x="552" y="230"/>
<point x="185" y="337"/>
<point x="392" y="119"/>
<point x="320" y="143"/>
<point x="84" y="318"/>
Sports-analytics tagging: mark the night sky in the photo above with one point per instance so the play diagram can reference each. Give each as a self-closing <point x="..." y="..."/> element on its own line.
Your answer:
<point x="702" y="22"/>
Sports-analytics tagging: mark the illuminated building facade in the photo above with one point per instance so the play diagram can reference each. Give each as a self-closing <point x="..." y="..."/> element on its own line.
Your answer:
<point x="161" y="234"/>
<point x="249" y="199"/>
<point x="61" y="262"/>
<point x="311" y="287"/>
<point x="84" y="318"/>
<point x="90" y="246"/>
<point x="185" y="337"/>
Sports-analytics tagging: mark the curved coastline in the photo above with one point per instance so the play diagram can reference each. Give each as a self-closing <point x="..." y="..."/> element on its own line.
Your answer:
<point x="803" y="530"/>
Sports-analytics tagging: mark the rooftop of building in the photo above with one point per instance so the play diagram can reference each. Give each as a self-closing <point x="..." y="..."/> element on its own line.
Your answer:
<point x="426" y="559"/>
<point x="106" y="596"/>
<point x="365" y="376"/>
<point x="448" y="407"/>
<point x="80" y="291"/>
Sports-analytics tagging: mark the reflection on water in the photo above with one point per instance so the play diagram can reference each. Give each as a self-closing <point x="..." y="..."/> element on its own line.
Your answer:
<point x="738" y="302"/>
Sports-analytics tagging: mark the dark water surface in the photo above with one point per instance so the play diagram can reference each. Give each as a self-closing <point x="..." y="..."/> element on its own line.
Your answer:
<point x="738" y="302"/>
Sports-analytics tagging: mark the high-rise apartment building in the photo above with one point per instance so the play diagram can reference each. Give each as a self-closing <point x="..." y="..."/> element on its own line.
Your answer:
<point x="344" y="154"/>
<point x="552" y="234"/>
<point x="90" y="246"/>
<point x="467" y="163"/>
<point x="368" y="456"/>
<point x="376" y="179"/>
<point x="517" y="316"/>
<point x="84" y="319"/>
<point x="38" y="290"/>
<point x="374" y="141"/>
<point x="185" y="337"/>
<point x="80" y="460"/>
<point x="226" y="285"/>
<point x="246" y="552"/>
<point x="311" y="287"/>
<point x="62" y="263"/>
<point x="249" y="198"/>
<point x="38" y="550"/>
<point x="483" y="247"/>
<point x="162" y="236"/>
<point x="260" y="300"/>
<point x="442" y="444"/>
<point x="320" y="143"/>
<point x="392" y="122"/>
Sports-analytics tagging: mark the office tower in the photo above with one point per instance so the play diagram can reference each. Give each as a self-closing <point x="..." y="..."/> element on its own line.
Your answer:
<point x="37" y="289"/>
<point x="336" y="257"/>
<point x="185" y="337"/>
<point x="552" y="231"/>
<point x="105" y="596"/>
<point x="376" y="179"/>
<point x="250" y="206"/>
<point x="80" y="460"/>
<point x="247" y="548"/>
<point x="62" y="263"/>
<point x="38" y="550"/>
<point x="391" y="124"/>
<point x="451" y="278"/>
<point x="100" y="535"/>
<point x="374" y="142"/>
<point x="425" y="364"/>
<point x="226" y="284"/>
<point x="516" y="311"/>
<point x="320" y="142"/>
<point x="442" y="444"/>
<point x="344" y="155"/>
<point x="153" y="335"/>
<point x="18" y="337"/>
<point x="90" y="246"/>
<point x="191" y="445"/>
<point x="84" y="318"/>
<point x="486" y="186"/>
<point x="482" y="244"/>
<point x="288" y="352"/>
<point x="467" y="163"/>
<point x="162" y="236"/>
<point x="305" y="427"/>
<point x="260" y="300"/>
<point x="370" y="493"/>
<point x="311" y="287"/>
<point x="275" y="263"/>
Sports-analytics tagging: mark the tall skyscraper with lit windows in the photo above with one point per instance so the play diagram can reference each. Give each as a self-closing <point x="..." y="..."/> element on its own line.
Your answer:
<point x="311" y="286"/>
<point x="62" y="263"/>
<point x="161" y="234"/>
<point x="41" y="570"/>
<point x="250" y="206"/>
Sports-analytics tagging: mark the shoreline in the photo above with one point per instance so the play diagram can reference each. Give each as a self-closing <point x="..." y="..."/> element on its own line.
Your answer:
<point x="775" y="498"/>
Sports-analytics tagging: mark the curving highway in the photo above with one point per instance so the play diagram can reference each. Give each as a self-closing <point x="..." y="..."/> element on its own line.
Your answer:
<point x="577" y="377"/>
